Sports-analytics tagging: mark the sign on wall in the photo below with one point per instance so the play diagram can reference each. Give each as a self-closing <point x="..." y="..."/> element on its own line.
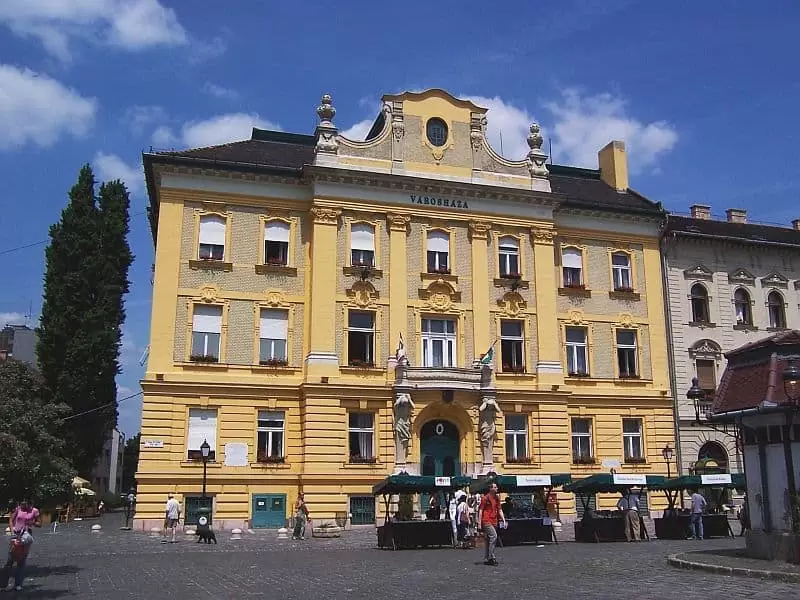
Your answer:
<point x="153" y="443"/>
<point x="441" y="481"/>
<point x="236" y="454"/>
<point x="629" y="479"/>
<point x="715" y="479"/>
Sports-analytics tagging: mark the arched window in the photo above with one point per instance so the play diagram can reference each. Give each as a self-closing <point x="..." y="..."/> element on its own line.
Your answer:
<point x="777" y="314"/>
<point x="699" y="297"/>
<point x="741" y="301"/>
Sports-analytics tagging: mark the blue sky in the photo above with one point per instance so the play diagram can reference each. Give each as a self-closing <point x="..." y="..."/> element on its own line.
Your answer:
<point x="705" y="98"/>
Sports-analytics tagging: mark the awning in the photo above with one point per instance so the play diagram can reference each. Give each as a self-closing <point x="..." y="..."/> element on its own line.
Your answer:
<point x="687" y="482"/>
<point x="606" y="482"/>
<point x="411" y="484"/>
<point x="520" y="483"/>
<point x="84" y="492"/>
<point x="79" y="482"/>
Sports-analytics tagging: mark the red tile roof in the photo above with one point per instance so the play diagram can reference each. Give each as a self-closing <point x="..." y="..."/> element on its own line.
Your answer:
<point x="754" y="373"/>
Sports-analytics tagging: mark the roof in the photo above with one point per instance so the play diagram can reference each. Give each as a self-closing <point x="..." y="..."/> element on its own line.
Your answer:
<point x="604" y="482"/>
<point x="746" y="233"/>
<point x="688" y="482"/>
<point x="753" y="374"/>
<point x="511" y="483"/>
<point x="583" y="188"/>
<point x="411" y="484"/>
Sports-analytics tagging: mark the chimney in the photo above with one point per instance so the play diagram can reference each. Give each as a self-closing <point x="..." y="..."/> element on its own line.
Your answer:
<point x="796" y="224"/>
<point x="736" y="215"/>
<point x="614" y="165"/>
<point x="701" y="211"/>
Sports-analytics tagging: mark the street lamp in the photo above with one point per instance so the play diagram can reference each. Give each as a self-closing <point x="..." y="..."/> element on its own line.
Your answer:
<point x="205" y="451"/>
<point x="696" y="395"/>
<point x="667" y="453"/>
<point x="791" y="382"/>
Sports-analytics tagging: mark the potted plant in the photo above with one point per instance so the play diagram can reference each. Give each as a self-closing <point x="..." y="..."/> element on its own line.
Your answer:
<point x="204" y="358"/>
<point x="274" y="362"/>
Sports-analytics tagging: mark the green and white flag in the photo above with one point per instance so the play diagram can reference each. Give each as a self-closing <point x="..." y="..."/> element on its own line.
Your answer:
<point x="489" y="356"/>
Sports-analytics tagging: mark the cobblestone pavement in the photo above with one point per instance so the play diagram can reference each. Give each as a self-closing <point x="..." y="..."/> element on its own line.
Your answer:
<point x="110" y="565"/>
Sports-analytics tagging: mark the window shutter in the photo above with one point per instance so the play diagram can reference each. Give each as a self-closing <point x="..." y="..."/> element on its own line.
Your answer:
<point x="202" y="426"/>
<point x="571" y="258"/>
<point x="705" y="374"/>
<point x="438" y="241"/>
<point x="212" y="230"/>
<point x="362" y="237"/>
<point x="207" y="319"/>
<point x="274" y="324"/>
<point x="509" y="243"/>
<point x="276" y="231"/>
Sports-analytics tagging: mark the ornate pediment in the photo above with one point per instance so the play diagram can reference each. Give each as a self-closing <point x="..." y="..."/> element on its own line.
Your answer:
<point x="512" y="304"/>
<point x="276" y="298"/>
<point x="624" y="320"/>
<point x="440" y="295"/>
<point x="706" y="347"/>
<point x="576" y="317"/>
<point x="741" y="276"/>
<point x="363" y="294"/>
<point x="699" y="272"/>
<point x="774" y="279"/>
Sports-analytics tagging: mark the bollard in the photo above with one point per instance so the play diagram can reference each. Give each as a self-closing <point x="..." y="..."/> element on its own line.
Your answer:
<point x="190" y="532"/>
<point x="282" y="533"/>
<point x="55" y="526"/>
<point x="96" y="528"/>
<point x="155" y="532"/>
<point x="8" y="530"/>
<point x="236" y="534"/>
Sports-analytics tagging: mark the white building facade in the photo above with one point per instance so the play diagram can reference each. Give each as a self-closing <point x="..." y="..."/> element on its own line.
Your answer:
<point x="728" y="283"/>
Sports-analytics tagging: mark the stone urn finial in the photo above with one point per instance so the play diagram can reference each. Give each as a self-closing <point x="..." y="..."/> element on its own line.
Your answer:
<point x="326" y="110"/>
<point x="535" y="138"/>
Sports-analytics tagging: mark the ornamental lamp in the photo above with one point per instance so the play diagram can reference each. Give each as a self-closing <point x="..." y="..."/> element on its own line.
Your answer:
<point x="791" y="382"/>
<point x="205" y="450"/>
<point x="696" y="395"/>
<point x="667" y="453"/>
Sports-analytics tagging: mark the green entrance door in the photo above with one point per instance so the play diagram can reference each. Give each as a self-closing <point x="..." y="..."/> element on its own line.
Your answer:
<point x="439" y="453"/>
<point x="269" y="511"/>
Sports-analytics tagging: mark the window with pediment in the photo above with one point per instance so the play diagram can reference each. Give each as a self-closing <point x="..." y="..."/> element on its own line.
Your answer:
<point x="699" y="301"/>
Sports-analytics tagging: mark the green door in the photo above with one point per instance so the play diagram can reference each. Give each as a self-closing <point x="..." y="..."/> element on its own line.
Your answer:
<point x="269" y="511"/>
<point x="439" y="453"/>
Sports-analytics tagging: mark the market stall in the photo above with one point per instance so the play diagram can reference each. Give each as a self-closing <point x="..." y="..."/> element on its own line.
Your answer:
<point x="525" y="525"/>
<point x="674" y="525"/>
<point x="404" y="530"/>
<point x="607" y="525"/>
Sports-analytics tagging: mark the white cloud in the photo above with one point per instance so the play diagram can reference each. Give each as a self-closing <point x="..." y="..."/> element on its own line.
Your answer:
<point x="358" y="131"/>
<point x="12" y="318"/>
<point x="509" y="122"/>
<point x="219" y="91"/>
<point x="127" y="24"/>
<point x="37" y="109"/>
<point x="213" y="131"/>
<point x="110" y="167"/>
<point x="139" y="117"/>
<point x="582" y="125"/>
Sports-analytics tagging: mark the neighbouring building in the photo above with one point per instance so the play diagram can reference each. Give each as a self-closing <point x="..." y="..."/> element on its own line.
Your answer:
<point x="328" y="311"/>
<point x="729" y="282"/>
<point x="759" y="394"/>
<point x="18" y="342"/>
<point x="107" y="474"/>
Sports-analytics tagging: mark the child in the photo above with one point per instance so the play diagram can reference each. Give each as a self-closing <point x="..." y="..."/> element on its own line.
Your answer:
<point x="18" y="553"/>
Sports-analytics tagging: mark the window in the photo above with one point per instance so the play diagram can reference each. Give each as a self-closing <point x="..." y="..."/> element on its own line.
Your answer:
<point x="582" y="440"/>
<point x="362" y="435"/>
<point x="511" y="347"/>
<point x="276" y="243"/>
<point x="438" y="343"/>
<point x="438" y="252"/>
<point x="621" y="267"/>
<point x="516" y="438"/>
<point x="741" y="302"/>
<point x="273" y="334"/>
<point x="436" y="130"/>
<point x="212" y="238"/>
<point x="706" y="376"/>
<point x="777" y="315"/>
<point x="361" y="339"/>
<point x="509" y="257"/>
<point x="202" y="428"/>
<point x="206" y="333"/>
<point x="270" y="435"/>
<point x="572" y="264"/>
<point x="577" y="363"/>
<point x="626" y="353"/>
<point x="632" y="439"/>
<point x="362" y="245"/>
<point x="699" y="298"/>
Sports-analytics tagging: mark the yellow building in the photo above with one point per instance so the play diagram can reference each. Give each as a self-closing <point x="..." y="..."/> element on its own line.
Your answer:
<point x="321" y="307"/>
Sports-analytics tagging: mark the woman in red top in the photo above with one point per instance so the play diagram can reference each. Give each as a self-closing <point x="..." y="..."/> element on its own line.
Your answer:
<point x="489" y="513"/>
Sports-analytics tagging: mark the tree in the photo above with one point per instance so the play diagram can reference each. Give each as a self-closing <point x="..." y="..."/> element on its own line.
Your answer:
<point x="130" y="462"/>
<point x="86" y="278"/>
<point x="33" y="464"/>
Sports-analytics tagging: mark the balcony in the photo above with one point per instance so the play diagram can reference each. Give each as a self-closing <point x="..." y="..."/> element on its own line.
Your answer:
<point x="444" y="378"/>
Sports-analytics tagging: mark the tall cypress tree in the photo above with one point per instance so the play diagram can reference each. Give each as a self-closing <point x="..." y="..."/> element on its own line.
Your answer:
<point x="86" y="277"/>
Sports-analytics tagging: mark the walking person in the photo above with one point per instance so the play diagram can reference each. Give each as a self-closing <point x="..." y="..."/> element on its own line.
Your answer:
<point x="300" y="517"/>
<point x="744" y="517"/>
<point x="21" y="521"/>
<point x="696" y="518"/>
<point x="490" y="516"/>
<point x="24" y="517"/>
<point x="172" y="516"/>
<point x="462" y="521"/>
<point x="629" y="505"/>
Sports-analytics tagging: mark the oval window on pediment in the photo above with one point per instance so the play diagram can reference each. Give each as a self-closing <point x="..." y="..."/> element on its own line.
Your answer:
<point x="436" y="131"/>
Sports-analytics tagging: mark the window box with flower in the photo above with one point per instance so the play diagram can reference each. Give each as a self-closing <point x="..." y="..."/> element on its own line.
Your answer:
<point x="356" y="459"/>
<point x="635" y="460"/>
<point x="520" y="460"/>
<point x="584" y="459"/>
<point x="577" y="374"/>
<point x="204" y="358"/>
<point x="508" y="368"/>
<point x="274" y="362"/>
<point x="361" y="364"/>
<point x="267" y="459"/>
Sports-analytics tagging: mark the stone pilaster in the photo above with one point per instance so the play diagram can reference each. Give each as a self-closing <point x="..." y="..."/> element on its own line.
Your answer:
<point x="548" y="369"/>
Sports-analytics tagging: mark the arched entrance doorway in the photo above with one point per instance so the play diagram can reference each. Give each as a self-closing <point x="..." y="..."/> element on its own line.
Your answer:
<point x="710" y="453"/>
<point x="439" y="449"/>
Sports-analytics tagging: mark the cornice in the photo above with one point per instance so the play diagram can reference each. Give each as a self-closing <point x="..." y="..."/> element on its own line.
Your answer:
<point x="248" y="176"/>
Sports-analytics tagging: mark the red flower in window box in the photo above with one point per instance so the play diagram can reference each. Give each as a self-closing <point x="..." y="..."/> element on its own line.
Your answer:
<point x="635" y="460"/>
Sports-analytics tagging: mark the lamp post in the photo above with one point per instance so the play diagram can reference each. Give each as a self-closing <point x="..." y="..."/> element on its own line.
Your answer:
<point x="696" y="395"/>
<point x="791" y="382"/>
<point x="791" y="385"/>
<point x="205" y="451"/>
<point x="667" y="453"/>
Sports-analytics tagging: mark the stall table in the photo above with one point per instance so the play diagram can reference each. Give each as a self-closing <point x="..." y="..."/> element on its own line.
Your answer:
<point x="601" y="529"/>
<point x="676" y="527"/>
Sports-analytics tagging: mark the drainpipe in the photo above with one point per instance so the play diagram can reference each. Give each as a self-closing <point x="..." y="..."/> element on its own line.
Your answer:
<point x="673" y="376"/>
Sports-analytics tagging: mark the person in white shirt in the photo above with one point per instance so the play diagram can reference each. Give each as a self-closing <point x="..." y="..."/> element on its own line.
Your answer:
<point x="172" y="516"/>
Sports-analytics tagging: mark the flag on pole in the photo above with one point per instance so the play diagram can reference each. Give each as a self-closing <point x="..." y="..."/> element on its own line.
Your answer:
<point x="489" y="356"/>
<point x="400" y="353"/>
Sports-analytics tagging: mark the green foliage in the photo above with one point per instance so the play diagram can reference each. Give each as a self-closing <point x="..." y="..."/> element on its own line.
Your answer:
<point x="32" y="455"/>
<point x="79" y="336"/>
<point x="112" y="501"/>
<point x="130" y="463"/>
